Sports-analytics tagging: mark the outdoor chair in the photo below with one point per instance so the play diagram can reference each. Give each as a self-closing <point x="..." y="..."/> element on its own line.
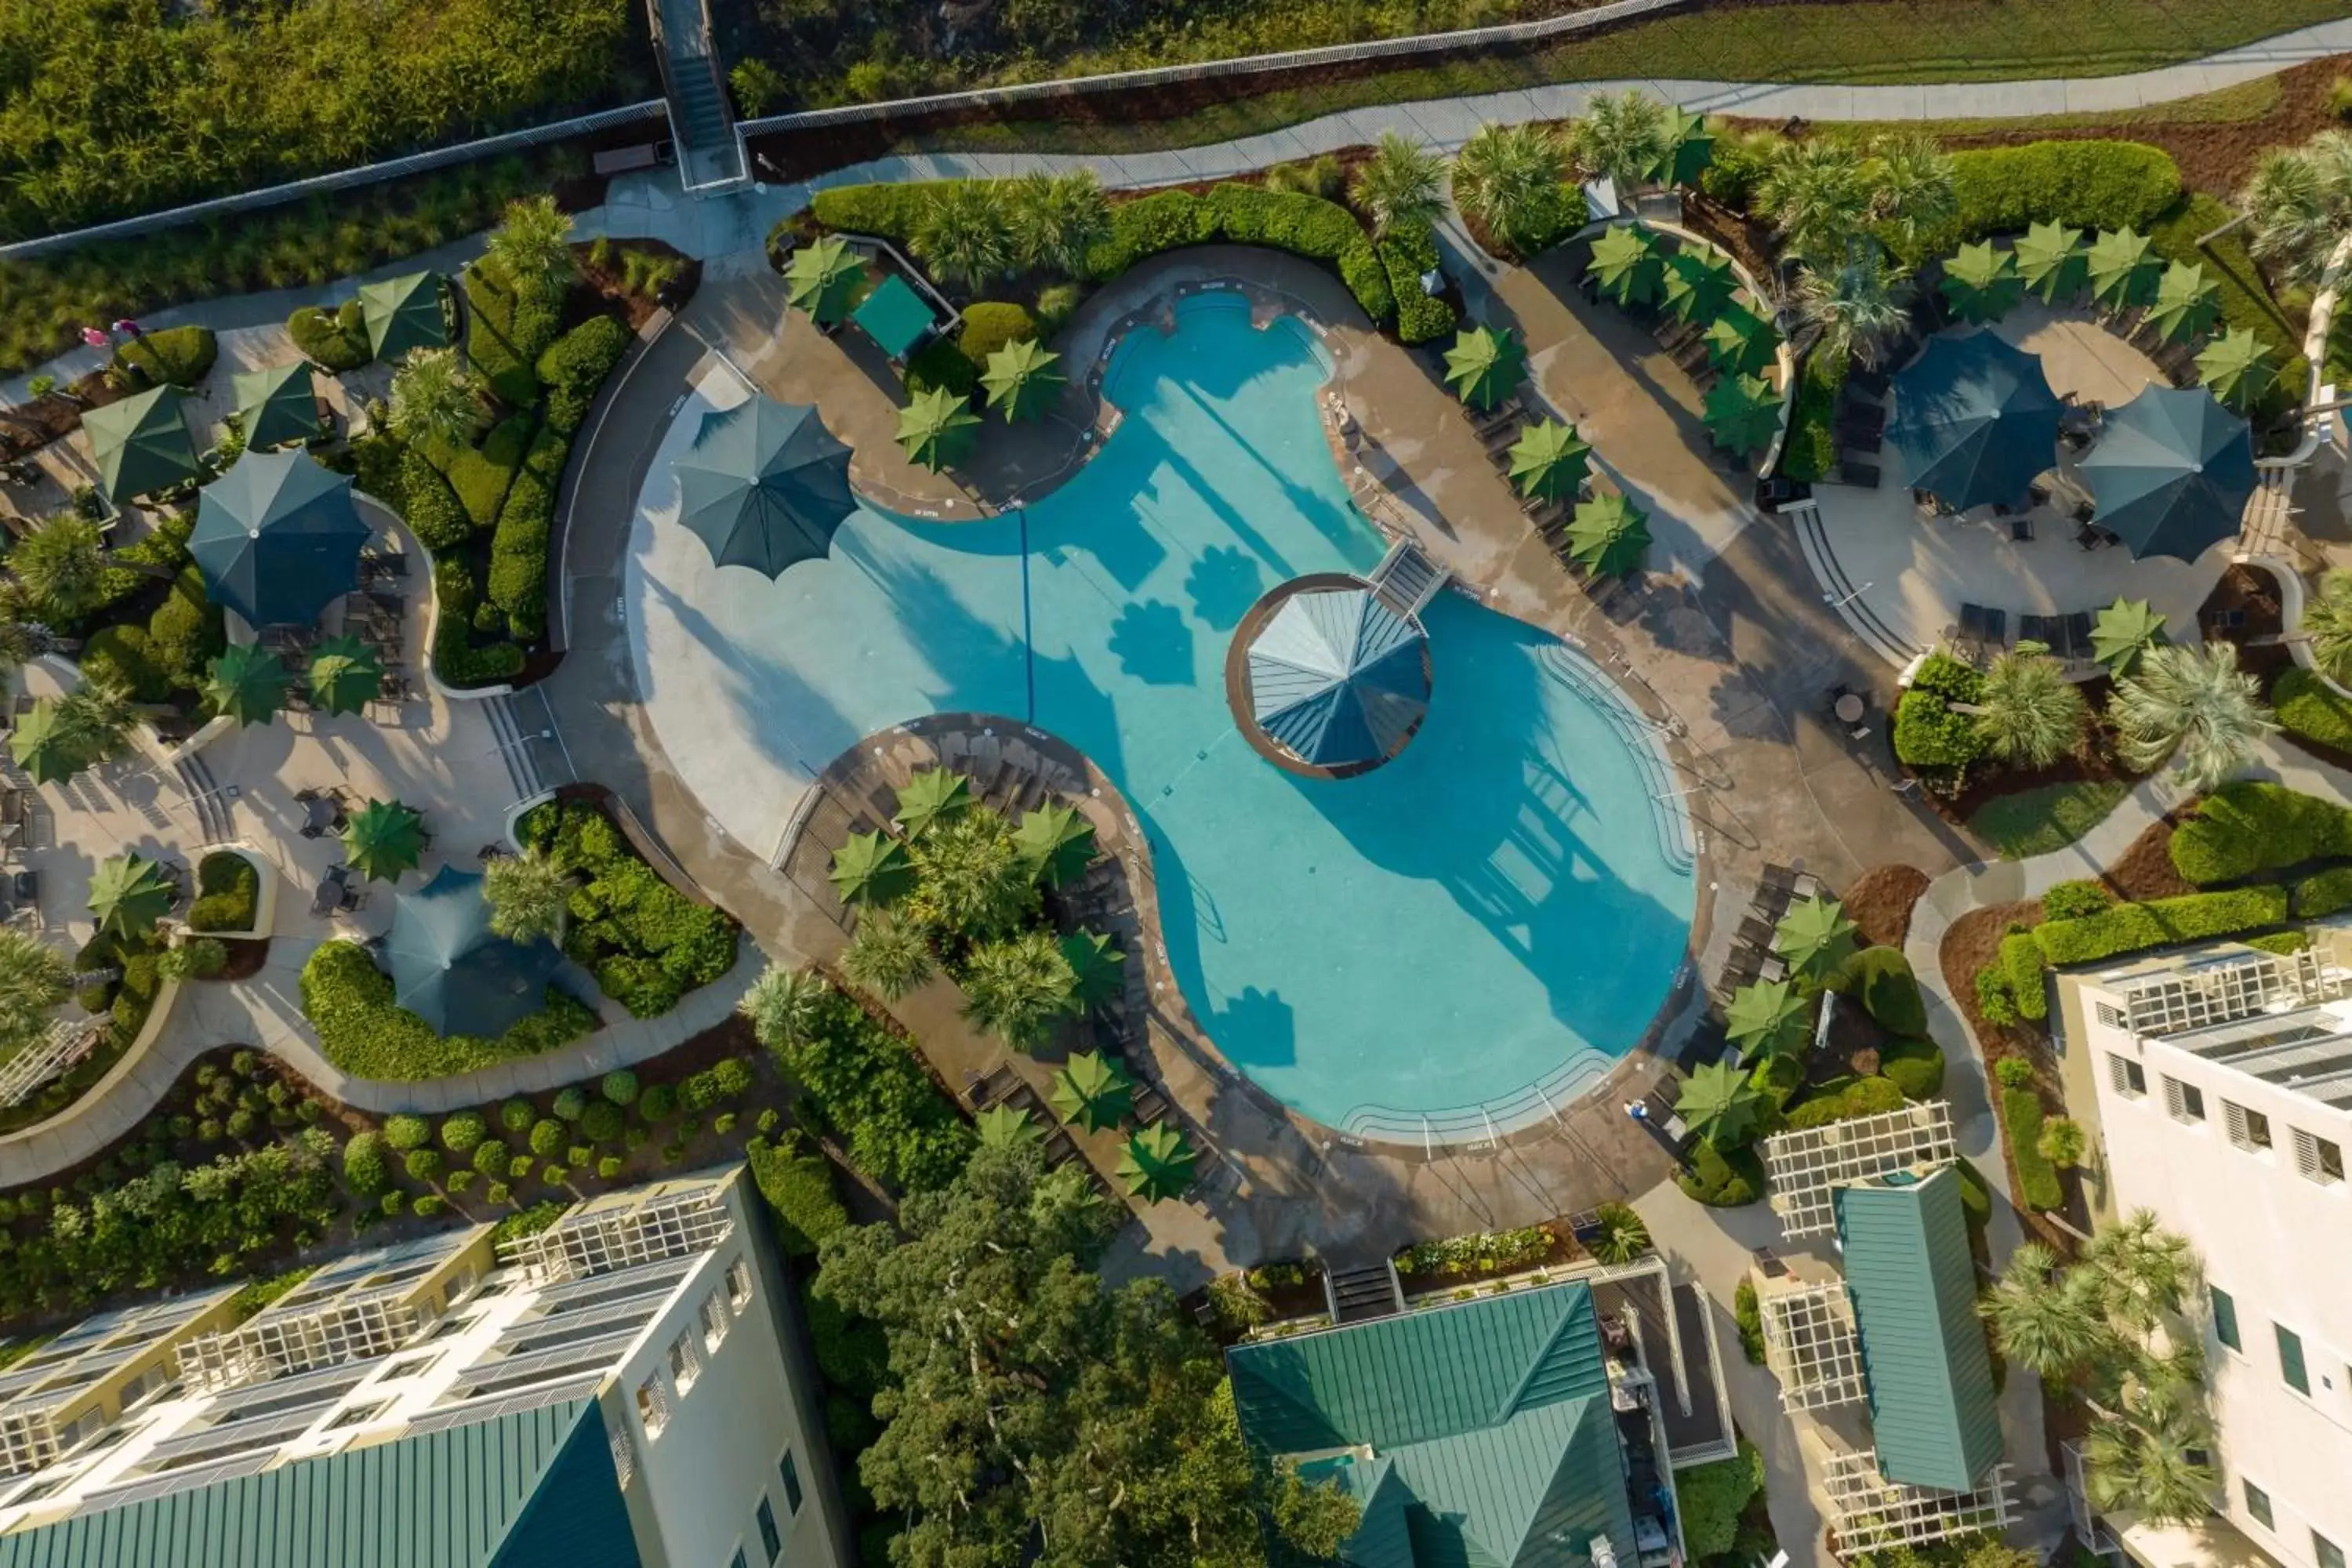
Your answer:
<point x="329" y="896"/>
<point x="1859" y="439"/>
<point x="1861" y="414"/>
<point x="1503" y="414"/>
<point x="1756" y="932"/>
<point x="1995" y="629"/>
<point x="24" y="887"/>
<point x="1972" y="623"/>
<point x="1692" y="355"/>
<point x="2020" y="526"/>
<point x="2078" y="635"/>
<point x="1499" y="444"/>
<point x="1704" y="377"/>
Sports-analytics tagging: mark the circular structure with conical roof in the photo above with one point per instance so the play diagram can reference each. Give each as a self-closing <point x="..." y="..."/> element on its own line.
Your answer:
<point x="1327" y="678"/>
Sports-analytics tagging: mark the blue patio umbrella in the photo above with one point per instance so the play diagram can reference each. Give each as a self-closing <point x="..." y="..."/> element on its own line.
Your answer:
<point x="2171" y="472"/>
<point x="278" y="538"/>
<point x="1975" y="420"/>
<point x="455" y="972"/>
<point x="1338" y="678"/>
<point x="765" y="485"/>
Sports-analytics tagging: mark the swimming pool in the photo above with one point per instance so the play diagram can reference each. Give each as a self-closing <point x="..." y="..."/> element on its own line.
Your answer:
<point x="1483" y="924"/>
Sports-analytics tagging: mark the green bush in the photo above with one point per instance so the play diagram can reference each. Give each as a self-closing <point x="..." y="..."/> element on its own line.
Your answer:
<point x="570" y="1103"/>
<point x="125" y="655"/>
<point x="1311" y="226"/>
<point x="507" y="329"/>
<point x="1147" y="226"/>
<point x="518" y="549"/>
<point x="2324" y="893"/>
<point x="1870" y="1096"/>
<point x="366" y="1171"/>
<point x="429" y="507"/>
<point x="1057" y="303"/>
<point x="2091" y="184"/>
<point x="1927" y="733"/>
<point x="601" y="1122"/>
<point x="891" y="212"/>
<point x="2132" y="928"/>
<point x="175" y="356"/>
<point x="990" y="324"/>
<point x="1409" y="255"/>
<point x="422" y="1165"/>
<point x="2253" y="826"/>
<point x="619" y="1086"/>
<point x="334" y="343"/>
<point x="548" y="1136"/>
<point x="2013" y="1072"/>
<point x="348" y="1002"/>
<point x="518" y="1115"/>
<point x="1880" y="978"/>
<point x="871" y="1086"/>
<point x="1748" y="1319"/>
<point x="456" y="657"/>
<point x="2020" y="966"/>
<point x="2037" y="1179"/>
<point x="942" y="363"/>
<point x="1713" y="1497"/>
<point x="798" y="1184"/>
<point x="463" y="1133"/>
<point x="2306" y="706"/>
<point x="229" y="893"/>
<point x="1811" y="449"/>
<point x="657" y="1103"/>
<point x="1720" y="1180"/>
<point x="186" y="633"/>
<point x="480" y="474"/>
<point x="404" y="1131"/>
<point x="573" y="369"/>
<point x="1913" y="1067"/>
<point x="851" y="1351"/>
<point x="646" y="942"/>
<point x="2072" y="900"/>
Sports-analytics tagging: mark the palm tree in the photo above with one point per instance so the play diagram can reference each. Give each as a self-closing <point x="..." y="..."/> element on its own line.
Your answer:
<point x="1016" y="989"/>
<point x="1056" y="218"/>
<point x="2300" y="204"/>
<point x="785" y="1006"/>
<point x="973" y="880"/>
<point x="2137" y="1458"/>
<point x="529" y="895"/>
<point x="2143" y="1270"/>
<point x="2046" y="1325"/>
<point x="433" y="399"/>
<point x="963" y="237"/>
<point x="1622" y="137"/>
<point x="1913" y="183"/>
<point x="531" y="246"/>
<point x="34" y="978"/>
<point x="2327" y="626"/>
<point x="95" y="720"/>
<point x="1507" y="179"/>
<point x="62" y="567"/>
<point x="1817" y="193"/>
<point x="2192" y="705"/>
<point x="1400" y="186"/>
<point x="890" y="955"/>
<point x="1857" y="305"/>
<point x="2029" y="713"/>
<point x="1624" y="1236"/>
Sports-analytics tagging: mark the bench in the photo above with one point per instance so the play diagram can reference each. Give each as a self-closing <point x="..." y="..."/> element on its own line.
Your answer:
<point x="626" y="160"/>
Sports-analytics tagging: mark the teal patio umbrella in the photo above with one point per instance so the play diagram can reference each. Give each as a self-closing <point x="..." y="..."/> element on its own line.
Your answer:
<point x="141" y="444"/>
<point x="450" y="968"/>
<point x="403" y="313"/>
<point x="276" y="406"/>
<point x="765" y="485"/>
<point x="2171" y="472"/>
<point x="278" y="538"/>
<point x="1975" y="420"/>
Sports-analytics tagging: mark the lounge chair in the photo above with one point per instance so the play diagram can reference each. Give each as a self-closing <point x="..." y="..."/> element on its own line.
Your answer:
<point x="2078" y="635"/>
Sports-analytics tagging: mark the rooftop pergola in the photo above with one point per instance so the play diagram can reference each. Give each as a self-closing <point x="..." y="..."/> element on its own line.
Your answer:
<point x="1809" y="1346"/>
<point x="2202" y="992"/>
<point x="1871" y="1513"/>
<point x="1808" y="1164"/>
<point x="645" y="1226"/>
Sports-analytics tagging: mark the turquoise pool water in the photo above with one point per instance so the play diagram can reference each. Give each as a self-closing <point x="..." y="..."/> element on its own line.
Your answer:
<point x="1498" y="909"/>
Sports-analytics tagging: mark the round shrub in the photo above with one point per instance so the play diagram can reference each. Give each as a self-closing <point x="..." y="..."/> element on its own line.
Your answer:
<point x="635" y="1138"/>
<point x="548" y="1136"/>
<point x="517" y="1115"/>
<point x="723" y="1123"/>
<point x="2073" y="900"/>
<point x="602" y="1122"/>
<point x="580" y="1156"/>
<point x="554" y="1175"/>
<point x="241" y="1123"/>
<point x="989" y="325"/>
<point x="1057" y="303"/>
<point x="365" y="1171"/>
<point x="406" y="1132"/>
<point x="1719" y="1180"/>
<point x="619" y="1086"/>
<point x="490" y="1157"/>
<point x="731" y="1076"/>
<point x="1880" y="978"/>
<point x="609" y="1167"/>
<point x="393" y="1202"/>
<point x="498" y="1193"/>
<point x="658" y="1102"/>
<point x="2013" y="1072"/>
<point x="461" y="1134"/>
<point x="572" y="1103"/>
<point x="768" y="1119"/>
<point x="208" y="1131"/>
<point x="1916" y="1067"/>
<point x="126" y="655"/>
<point x="428" y="1206"/>
<point x="461" y="1179"/>
<point x="520" y="1168"/>
<point x="245" y="1064"/>
<point x="422" y="1165"/>
<point x="942" y="363"/>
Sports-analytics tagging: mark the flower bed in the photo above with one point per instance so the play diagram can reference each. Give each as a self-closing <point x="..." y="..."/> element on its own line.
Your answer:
<point x="1483" y="1255"/>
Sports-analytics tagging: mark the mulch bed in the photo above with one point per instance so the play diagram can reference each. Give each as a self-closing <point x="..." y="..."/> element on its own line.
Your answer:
<point x="606" y="287"/>
<point x="2145" y="870"/>
<point x="244" y="958"/>
<point x="1973" y="941"/>
<point x="1879" y="901"/>
<point x="35" y="422"/>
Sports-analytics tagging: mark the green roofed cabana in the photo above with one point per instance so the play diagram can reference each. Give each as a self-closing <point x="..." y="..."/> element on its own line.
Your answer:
<point x="276" y="406"/>
<point x="2050" y="259"/>
<point x="1549" y="461"/>
<point x="2122" y="268"/>
<point x="895" y="317"/>
<point x="1740" y="341"/>
<point x="1698" y="283"/>
<point x="1626" y="265"/>
<point x="1484" y="366"/>
<point x="1975" y="420"/>
<point x="1982" y="283"/>
<point x="1742" y="414"/>
<point x="403" y="313"/>
<point x="821" y="277"/>
<point x="1092" y="1093"/>
<point x="141" y="444"/>
<point x="455" y="972"/>
<point x="278" y="538"/>
<point x="1475" y="1433"/>
<point x="2171" y="472"/>
<point x="1914" y="1288"/>
<point x="2187" y="303"/>
<point x="765" y="485"/>
<point x="2236" y="368"/>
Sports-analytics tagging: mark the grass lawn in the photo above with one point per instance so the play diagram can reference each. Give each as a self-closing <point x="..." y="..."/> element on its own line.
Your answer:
<point x="2036" y="821"/>
<point x="2247" y="101"/>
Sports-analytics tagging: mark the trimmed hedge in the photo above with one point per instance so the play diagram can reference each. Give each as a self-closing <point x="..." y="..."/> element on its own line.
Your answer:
<point x="2019" y="965"/>
<point x="574" y="367"/>
<point x="869" y="1086"/>
<point x="1713" y="1496"/>
<point x="334" y="343"/>
<point x="518" y="548"/>
<point x="507" y="329"/>
<point x="2161" y="923"/>
<point x="2308" y="706"/>
<point x="2092" y="185"/>
<point x="456" y="659"/>
<point x="1719" y="1180"/>
<point x="1409" y="254"/>
<point x="883" y="211"/>
<point x="362" y="1030"/>
<point x="124" y="654"/>
<point x="1914" y="1067"/>
<point x="2037" y="1179"/>
<point x="1811" y="451"/>
<point x="176" y="356"/>
<point x="429" y="506"/>
<point x="1927" y="733"/>
<point x="1870" y="1096"/>
<point x="647" y="943"/>
<point x="186" y="632"/>
<point x="2253" y="826"/>
<point x="229" y="893"/>
<point x="1880" y="978"/>
<point x="480" y="474"/>
<point x="990" y="325"/>
<point x="2323" y="894"/>
<point x="797" y="1182"/>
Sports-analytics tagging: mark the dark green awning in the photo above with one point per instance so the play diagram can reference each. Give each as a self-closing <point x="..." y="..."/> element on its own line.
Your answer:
<point x="403" y="313"/>
<point x="895" y="317"/>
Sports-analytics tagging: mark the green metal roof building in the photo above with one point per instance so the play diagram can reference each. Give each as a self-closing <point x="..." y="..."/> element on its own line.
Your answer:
<point x="1913" y="1282"/>
<point x="895" y="317"/>
<point x="1478" y="1435"/>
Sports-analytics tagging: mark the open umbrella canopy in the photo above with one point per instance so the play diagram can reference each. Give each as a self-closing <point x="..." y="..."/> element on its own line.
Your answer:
<point x="2236" y="368"/>
<point x="403" y="313"/>
<point x="276" y="406"/>
<point x="2122" y="268"/>
<point x="1608" y="536"/>
<point x="765" y="485"/>
<point x="1719" y="1103"/>
<point x="821" y="277"/>
<point x="1092" y="1093"/>
<point x="1626" y="265"/>
<point x="1157" y="1164"/>
<point x="1742" y="414"/>
<point x="1021" y="379"/>
<point x="1690" y="148"/>
<point x="1815" y="937"/>
<point x="141" y="444"/>
<point x="450" y="968"/>
<point x="2126" y="629"/>
<point x="1975" y="420"/>
<point x="1008" y="1127"/>
<point x="2187" y="303"/>
<point x="872" y="870"/>
<point x="384" y="838"/>
<point x="344" y="675"/>
<point x="1485" y="366"/>
<point x="42" y="746"/>
<point x="1338" y="677"/>
<point x="2171" y="472"/>
<point x="1549" y="461"/>
<point x="935" y="429"/>
<point x="1740" y="341"/>
<point x="1982" y="283"/>
<point x="1098" y="968"/>
<point x="1055" y="842"/>
<point x="1768" y="1018"/>
<point x="934" y="795"/>
<point x="245" y="683"/>
<point x="2051" y="261"/>
<point x="278" y="538"/>
<point x="1698" y="283"/>
<point x="128" y="893"/>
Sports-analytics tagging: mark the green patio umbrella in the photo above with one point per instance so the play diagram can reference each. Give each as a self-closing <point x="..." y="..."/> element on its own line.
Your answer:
<point x="345" y="675"/>
<point x="1742" y="414"/>
<point x="872" y="870"/>
<point x="821" y="277"/>
<point x="384" y="838"/>
<point x="1719" y="1103"/>
<point x="765" y="485"/>
<point x="403" y="313"/>
<point x="1156" y="1164"/>
<point x="1092" y="1093"/>
<point x="450" y="968"/>
<point x="1768" y="1018"/>
<point x="935" y="429"/>
<point x="933" y="795"/>
<point x="1740" y="341"/>
<point x="1021" y="379"/>
<point x="2122" y="268"/>
<point x="1815" y="937"/>
<point x="2186" y="303"/>
<point x="1698" y="283"/>
<point x="43" y="747"/>
<point x="2236" y="368"/>
<point x="278" y="538"/>
<point x="1608" y="536"/>
<point x="141" y="444"/>
<point x="2051" y="261"/>
<point x="129" y="894"/>
<point x="1626" y="265"/>
<point x="1982" y="283"/>
<point x="245" y="683"/>
<point x="2171" y="472"/>
<point x="2126" y="629"/>
<point x="1549" y="461"/>
<point x="1690" y="148"/>
<point x="276" y="406"/>
<point x="1055" y="842"/>
<point x="1008" y="1127"/>
<point x="1099" y="967"/>
<point x="1484" y="366"/>
<point x="1975" y="420"/>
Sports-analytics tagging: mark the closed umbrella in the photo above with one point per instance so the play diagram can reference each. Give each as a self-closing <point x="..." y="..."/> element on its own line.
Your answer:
<point x="1549" y="461"/>
<point x="128" y="893"/>
<point x="1608" y="536"/>
<point x="1092" y="1093"/>
<point x="2185" y="302"/>
<point x="1815" y="937"/>
<point x="344" y="675"/>
<point x="2122" y="269"/>
<point x="1698" y="283"/>
<point x="278" y="538"/>
<point x="276" y="405"/>
<point x="2171" y="472"/>
<point x="2236" y="368"/>
<point x="765" y="485"/>
<point x="872" y="870"/>
<point x="1742" y="414"/>
<point x="384" y="838"/>
<point x="1055" y="842"/>
<point x="245" y="683"/>
<point x="821" y="277"/>
<point x="2050" y="259"/>
<point x="934" y="795"/>
<point x="1975" y="420"/>
<point x="141" y="444"/>
<point x="1982" y="283"/>
<point x="935" y="429"/>
<point x="2126" y="629"/>
<point x="1157" y="1164"/>
<point x="450" y="968"/>
<point x="1099" y="968"/>
<point x="1021" y="379"/>
<point x="1484" y="366"/>
<point x="403" y="313"/>
<point x="1626" y="265"/>
<point x="1740" y="341"/>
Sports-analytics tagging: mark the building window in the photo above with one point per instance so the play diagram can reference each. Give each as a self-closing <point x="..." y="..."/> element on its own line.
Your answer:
<point x="715" y="1321"/>
<point x="653" y="1406"/>
<point x="624" y="1456"/>
<point x="2318" y="1160"/>
<point x="770" y="1536"/>
<point x="2329" y="1554"/>
<point x="2186" y="1101"/>
<point x="685" y="1367"/>
<point x="738" y="1560"/>
<point x="2130" y="1079"/>
<point x="2290" y="1367"/>
<point x="790" y="1469"/>
<point x="2110" y="1015"/>
<point x="2258" y="1505"/>
<point x="2225" y="1319"/>
<point x="739" y="1285"/>
<point x="2249" y="1130"/>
